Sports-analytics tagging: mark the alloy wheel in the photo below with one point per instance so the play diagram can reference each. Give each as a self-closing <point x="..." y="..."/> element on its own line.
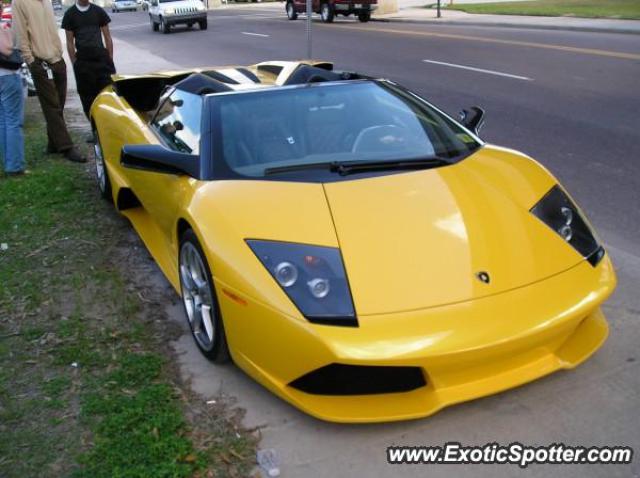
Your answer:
<point x="101" y="172"/>
<point x="197" y="296"/>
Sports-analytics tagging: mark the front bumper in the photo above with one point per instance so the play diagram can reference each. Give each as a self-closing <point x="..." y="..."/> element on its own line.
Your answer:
<point x="185" y="18"/>
<point x="354" y="7"/>
<point x="465" y="350"/>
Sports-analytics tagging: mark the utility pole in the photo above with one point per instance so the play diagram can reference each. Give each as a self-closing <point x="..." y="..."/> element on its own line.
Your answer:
<point x="438" y="9"/>
<point x="309" y="49"/>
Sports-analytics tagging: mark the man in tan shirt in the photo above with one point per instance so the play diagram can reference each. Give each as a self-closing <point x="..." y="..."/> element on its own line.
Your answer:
<point x="42" y="51"/>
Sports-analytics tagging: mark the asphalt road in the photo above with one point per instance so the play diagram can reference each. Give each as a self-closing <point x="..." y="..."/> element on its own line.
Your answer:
<point x="577" y="113"/>
<point x="572" y="101"/>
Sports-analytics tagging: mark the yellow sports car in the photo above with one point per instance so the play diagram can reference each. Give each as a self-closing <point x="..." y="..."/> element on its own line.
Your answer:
<point x="351" y="247"/>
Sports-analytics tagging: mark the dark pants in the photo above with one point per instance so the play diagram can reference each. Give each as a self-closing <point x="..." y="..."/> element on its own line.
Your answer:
<point x="93" y="69"/>
<point x="52" y="95"/>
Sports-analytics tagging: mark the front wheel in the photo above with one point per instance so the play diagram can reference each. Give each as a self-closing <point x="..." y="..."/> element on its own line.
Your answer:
<point x="200" y="301"/>
<point x="364" y="17"/>
<point x="326" y="13"/>
<point x="164" y="26"/>
<point x="102" y="175"/>
<point x="203" y="24"/>
<point x="291" y="11"/>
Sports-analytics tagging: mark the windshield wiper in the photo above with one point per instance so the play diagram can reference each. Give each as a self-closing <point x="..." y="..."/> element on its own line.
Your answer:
<point x="350" y="167"/>
<point x="300" y="167"/>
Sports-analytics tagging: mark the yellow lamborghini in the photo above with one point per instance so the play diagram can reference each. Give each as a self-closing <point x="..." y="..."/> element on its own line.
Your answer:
<point x="351" y="247"/>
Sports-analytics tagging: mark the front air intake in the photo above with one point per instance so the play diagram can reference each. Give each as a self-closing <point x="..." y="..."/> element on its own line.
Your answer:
<point x="340" y="379"/>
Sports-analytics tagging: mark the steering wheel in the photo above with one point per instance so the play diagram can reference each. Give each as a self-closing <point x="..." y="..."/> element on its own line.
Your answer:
<point x="380" y="138"/>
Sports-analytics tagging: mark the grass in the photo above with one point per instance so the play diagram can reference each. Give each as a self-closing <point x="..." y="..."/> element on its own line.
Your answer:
<point x="622" y="9"/>
<point x="87" y="383"/>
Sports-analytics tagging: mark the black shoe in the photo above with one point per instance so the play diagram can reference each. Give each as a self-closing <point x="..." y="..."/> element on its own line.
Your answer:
<point x="74" y="155"/>
<point x="17" y="174"/>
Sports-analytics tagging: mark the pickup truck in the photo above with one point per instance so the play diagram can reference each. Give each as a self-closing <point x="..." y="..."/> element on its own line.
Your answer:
<point x="328" y="9"/>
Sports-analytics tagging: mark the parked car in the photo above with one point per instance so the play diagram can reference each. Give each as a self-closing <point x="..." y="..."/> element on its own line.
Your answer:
<point x="328" y="9"/>
<point x="6" y="16"/>
<point x="165" y="14"/>
<point x="357" y="251"/>
<point x="124" y="5"/>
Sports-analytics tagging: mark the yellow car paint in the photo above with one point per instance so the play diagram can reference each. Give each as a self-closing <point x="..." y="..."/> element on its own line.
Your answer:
<point x="412" y="243"/>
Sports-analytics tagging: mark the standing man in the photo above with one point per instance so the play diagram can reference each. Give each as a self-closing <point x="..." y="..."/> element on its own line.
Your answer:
<point x="86" y="24"/>
<point x="11" y="107"/>
<point x="42" y="51"/>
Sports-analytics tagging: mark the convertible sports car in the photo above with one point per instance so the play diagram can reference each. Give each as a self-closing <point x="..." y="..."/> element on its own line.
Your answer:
<point x="354" y="249"/>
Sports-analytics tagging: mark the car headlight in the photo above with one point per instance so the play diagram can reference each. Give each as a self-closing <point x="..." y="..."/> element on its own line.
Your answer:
<point x="313" y="277"/>
<point x="169" y="11"/>
<point x="558" y="212"/>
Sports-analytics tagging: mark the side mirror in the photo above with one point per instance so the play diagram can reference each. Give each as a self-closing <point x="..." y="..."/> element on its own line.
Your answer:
<point x="473" y="119"/>
<point x="158" y="159"/>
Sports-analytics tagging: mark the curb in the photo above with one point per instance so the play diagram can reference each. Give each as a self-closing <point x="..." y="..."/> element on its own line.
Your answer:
<point x="576" y="28"/>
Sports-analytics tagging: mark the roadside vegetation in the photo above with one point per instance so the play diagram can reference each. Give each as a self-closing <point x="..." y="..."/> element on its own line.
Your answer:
<point x="622" y="9"/>
<point x="88" y="386"/>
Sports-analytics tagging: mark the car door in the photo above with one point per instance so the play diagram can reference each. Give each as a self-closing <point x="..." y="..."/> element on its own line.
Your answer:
<point x="177" y="125"/>
<point x="154" y="6"/>
<point x="301" y="5"/>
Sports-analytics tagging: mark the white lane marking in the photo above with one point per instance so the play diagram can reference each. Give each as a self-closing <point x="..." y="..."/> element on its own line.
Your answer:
<point x="256" y="15"/>
<point x="480" y="70"/>
<point x="129" y="26"/>
<point x="256" y="34"/>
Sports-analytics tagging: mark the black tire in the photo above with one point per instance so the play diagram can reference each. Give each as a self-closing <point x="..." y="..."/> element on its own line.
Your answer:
<point x="291" y="11"/>
<point x="164" y="26"/>
<point x="217" y="351"/>
<point x="364" y="17"/>
<point x="203" y="24"/>
<point x="326" y="13"/>
<point x="189" y="25"/>
<point x="154" y="26"/>
<point x="102" y="174"/>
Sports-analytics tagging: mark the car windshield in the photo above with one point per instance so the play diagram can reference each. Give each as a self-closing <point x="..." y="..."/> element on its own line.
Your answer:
<point x="264" y="131"/>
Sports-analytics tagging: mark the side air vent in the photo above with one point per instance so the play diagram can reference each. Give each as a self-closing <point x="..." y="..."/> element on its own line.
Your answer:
<point x="340" y="379"/>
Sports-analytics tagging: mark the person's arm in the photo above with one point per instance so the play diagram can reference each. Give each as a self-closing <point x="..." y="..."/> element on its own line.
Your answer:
<point x="19" y="21"/>
<point x="108" y="42"/>
<point x="71" y="45"/>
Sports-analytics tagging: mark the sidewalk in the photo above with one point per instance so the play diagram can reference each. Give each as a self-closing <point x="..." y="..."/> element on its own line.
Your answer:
<point x="458" y="18"/>
<point x="412" y="11"/>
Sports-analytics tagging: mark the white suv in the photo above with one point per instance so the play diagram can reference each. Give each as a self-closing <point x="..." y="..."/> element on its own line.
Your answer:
<point x="166" y="13"/>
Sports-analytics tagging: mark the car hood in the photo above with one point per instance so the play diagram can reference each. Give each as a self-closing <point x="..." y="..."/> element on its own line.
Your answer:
<point x="420" y="239"/>
<point x="409" y="240"/>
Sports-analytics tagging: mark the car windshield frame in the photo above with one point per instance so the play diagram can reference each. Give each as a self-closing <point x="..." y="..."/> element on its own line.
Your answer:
<point x="222" y="170"/>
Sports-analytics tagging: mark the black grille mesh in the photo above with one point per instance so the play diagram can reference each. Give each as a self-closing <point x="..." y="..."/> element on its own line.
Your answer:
<point x="340" y="379"/>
